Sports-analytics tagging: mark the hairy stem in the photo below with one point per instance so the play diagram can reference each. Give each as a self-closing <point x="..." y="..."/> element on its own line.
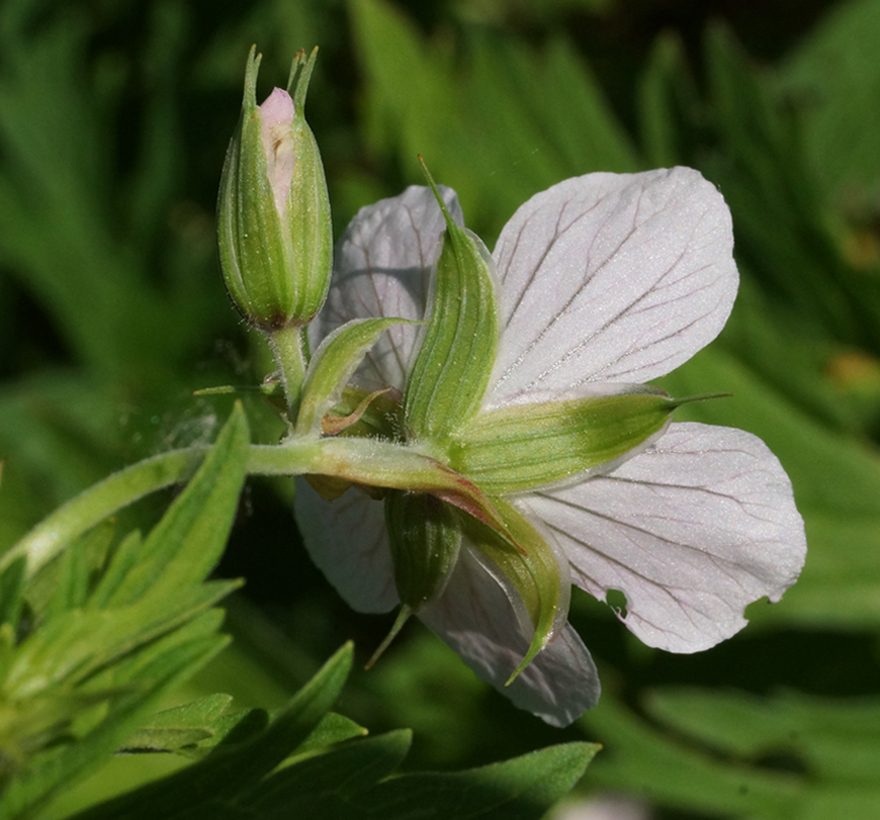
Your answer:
<point x="361" y="461"/>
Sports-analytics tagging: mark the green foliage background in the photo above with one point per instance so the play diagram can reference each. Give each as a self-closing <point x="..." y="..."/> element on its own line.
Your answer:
<point x="114" y="119"/>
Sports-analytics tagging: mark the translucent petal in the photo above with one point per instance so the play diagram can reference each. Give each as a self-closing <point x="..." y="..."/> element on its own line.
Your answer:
<point x="476" y="619"/>
<point x="691" y="531"/>
<point x="348" y="541"/>
<point x="612" y="277"/>
<point x="383" y="267"/>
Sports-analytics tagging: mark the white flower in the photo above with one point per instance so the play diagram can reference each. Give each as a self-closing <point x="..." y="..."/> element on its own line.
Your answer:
<point x="604" y="280"/>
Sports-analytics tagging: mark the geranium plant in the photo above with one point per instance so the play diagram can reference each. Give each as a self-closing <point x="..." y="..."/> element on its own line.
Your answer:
<point x="472" y="433"/>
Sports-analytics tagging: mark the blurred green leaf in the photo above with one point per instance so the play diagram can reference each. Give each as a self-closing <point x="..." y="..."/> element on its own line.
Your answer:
<point x="51" y="772"/>
<point x="12" y="592"/>
<point x="833" y="80"/>
<point x="785" y="756"/>
<point x="671" y="114"/>
<point x="499" y="125"/>
<point x="830" y="739"/>
<point x="783" y="223"/>
<point x="643" y="759"/>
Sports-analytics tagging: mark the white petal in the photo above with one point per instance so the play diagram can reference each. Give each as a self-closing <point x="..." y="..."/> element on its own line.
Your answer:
<point x="691" y="531"/>
<point x="348" y="542"/>
<point x="383" y="266"/>
<point x="476" y="619"/>
<point x="611" y="277"/>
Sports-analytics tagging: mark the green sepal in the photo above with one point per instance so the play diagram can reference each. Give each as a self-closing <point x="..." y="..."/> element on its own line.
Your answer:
<point x="332" y="366"/>
<point x="456" y="357"/>
<point x="532" y="571"/>
<point x="425" y="539"/>
<point x="308" y="220"/>
<point x="523" y="446"/>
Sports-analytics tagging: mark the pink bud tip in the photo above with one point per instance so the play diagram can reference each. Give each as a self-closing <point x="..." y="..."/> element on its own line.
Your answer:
<point x="276" y="108"/>
<point x="276" y="119"/>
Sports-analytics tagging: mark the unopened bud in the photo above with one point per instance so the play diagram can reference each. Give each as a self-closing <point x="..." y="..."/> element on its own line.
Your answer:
<point x="276" y="243"/>
<point x="425" y="539"/>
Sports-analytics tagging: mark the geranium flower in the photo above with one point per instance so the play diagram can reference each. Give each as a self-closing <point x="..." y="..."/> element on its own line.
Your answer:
<point x="604" y="281"/>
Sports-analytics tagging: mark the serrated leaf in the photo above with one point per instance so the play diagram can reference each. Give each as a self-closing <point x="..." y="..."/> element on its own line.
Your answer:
<point x="212" y="787"/>
<point x="172" y="729"/>
<point x="332" y="729"/>
<point x="91" y="640"/>
<point x="45" y="777"/>
<point x="314" y="786"/>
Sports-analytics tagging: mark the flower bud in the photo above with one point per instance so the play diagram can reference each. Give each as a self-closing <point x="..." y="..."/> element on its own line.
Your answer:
<point x="425" y="539"/>
<point x="276" y="242"/>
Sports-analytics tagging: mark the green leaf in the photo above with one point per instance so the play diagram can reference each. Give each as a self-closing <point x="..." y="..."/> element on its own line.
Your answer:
<point x="332" y="729"/>
<point x="788" y="755"/>
<point x="523" y="788"/>
<point x="92" y="639"/>
<point x="200" y="517"/>
<point x="541" y="112"/>
<point x="833" y="77"/>
<point x="49" y="774"/>
<point x="644" y="760"/>
<point x="669" y="106"/>
<point x="212" y="787"/>
<point x="783" y="221"/>
<point x="63" y="584"/>
<point x="12" y="592"/>
<point x="836" y="739"/>
<point x="84" y="679"/>
<point x="328" y="782"/>
<point x="460" y="341"/>
<point x="522" y="446"/>
<point x="171" y="730"/>
<point x="123" y="560"/>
